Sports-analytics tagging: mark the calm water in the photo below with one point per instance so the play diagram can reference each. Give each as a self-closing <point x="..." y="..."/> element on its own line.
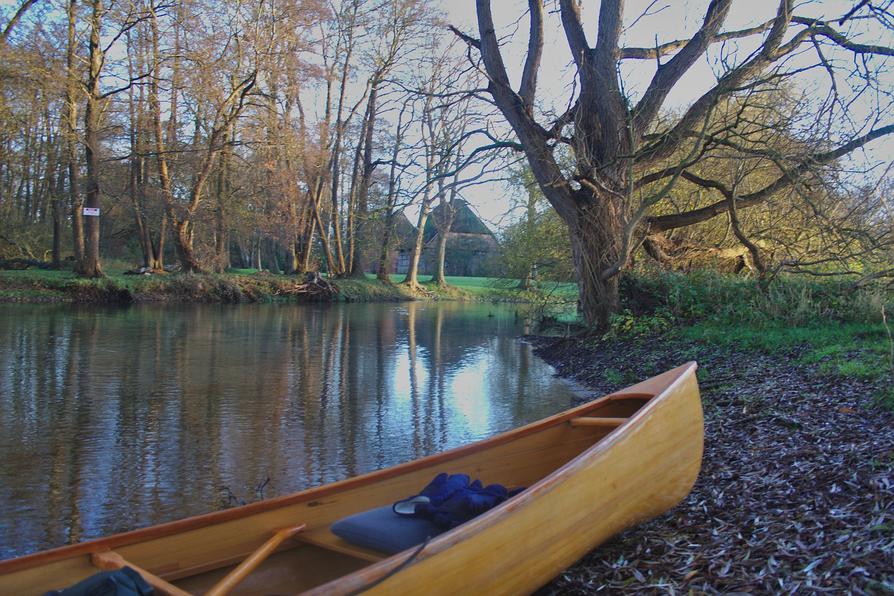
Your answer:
<point x="116" y="419"/>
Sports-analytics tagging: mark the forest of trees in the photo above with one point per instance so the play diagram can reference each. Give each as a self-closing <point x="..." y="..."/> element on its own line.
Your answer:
<point x="285" y="136"/>
<point x="289" y="136"/>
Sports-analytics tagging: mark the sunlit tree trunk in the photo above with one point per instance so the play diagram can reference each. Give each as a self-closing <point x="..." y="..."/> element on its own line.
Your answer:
<point x="71" y="140"/>
<point x="360" y="262"/>
<point x="92" y="113"/>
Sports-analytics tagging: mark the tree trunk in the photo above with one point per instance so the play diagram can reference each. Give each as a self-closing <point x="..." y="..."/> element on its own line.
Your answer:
<point x="160" y="155"/>
<point x="359" y="265"/>
<point x="412" y="277"/>
<point x="275" y="267"/>
<point x="596" y="234"/>
<point x="183" y="236"/>
<point x="221" y="244"/>
<point x="57" y="218"/>
<point x="158" y="248"/>
<point x="71" y="140"/>
<point x="444" y="223"/>
<point x="440" y="273"/>
<point x="92" y="266"/>
<point x="309" y="245"/>
<point x="324" y="240"/>
<point x="382" y="269"/>
<point x="256" y="251"/>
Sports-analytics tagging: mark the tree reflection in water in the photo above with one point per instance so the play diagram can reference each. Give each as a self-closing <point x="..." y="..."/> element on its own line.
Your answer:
<point x="115" y="419"/>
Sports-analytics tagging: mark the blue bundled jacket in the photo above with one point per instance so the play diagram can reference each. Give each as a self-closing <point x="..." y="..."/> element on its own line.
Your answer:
<point x="451" y="499"/>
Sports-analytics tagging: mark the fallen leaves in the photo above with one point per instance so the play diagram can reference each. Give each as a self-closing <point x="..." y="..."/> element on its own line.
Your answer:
<point x="796" y="492"/>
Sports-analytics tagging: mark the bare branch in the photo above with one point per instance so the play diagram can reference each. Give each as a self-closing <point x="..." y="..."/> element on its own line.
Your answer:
<point x="669" y="74"/>
<point x="471" y="41"/>
<point x="15" y="19"/>
<point x="535" y="50"/>
<point x="822" y="28"/>
<point x="672" y="46"/>
<point x="732" y="80"/>
<point x="679" y="220"/>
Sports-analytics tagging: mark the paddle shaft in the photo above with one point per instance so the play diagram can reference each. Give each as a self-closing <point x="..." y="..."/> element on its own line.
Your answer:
<point x="235" y="577"/>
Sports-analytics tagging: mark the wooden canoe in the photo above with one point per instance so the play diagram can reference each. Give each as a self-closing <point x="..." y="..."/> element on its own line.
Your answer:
<point x="591" y="472"/>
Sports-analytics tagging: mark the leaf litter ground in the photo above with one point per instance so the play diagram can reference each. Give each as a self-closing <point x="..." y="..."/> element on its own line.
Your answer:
<point x="796" y="491"/>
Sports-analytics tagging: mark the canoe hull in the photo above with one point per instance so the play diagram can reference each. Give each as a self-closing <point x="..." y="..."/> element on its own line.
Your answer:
<point x="606" y="479"/>
<point x="625" y="479"/>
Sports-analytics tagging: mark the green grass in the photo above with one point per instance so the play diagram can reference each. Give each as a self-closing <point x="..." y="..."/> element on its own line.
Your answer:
<point x="827" y="324"/>
<point x="241" y="285"/>
<point x="856" y="350"/>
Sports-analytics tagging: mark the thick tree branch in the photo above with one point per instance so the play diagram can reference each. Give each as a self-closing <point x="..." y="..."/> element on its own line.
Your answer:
<point x="678" y="220"/>
<point x="15" y="19"/>
<point x="611" y="17"/>
<point x="601" y="119"/>
<point x="670" y="73"/>
<point x="535" y="50"/>
<point x="574" y="33"/>
<point x="471" y="41"/>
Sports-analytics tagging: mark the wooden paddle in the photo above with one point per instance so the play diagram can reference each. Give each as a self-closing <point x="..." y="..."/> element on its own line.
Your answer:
<point x="235" y="577"/>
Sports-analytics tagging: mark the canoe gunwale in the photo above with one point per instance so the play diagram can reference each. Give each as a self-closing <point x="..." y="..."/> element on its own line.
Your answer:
<point x="438" y="544"/>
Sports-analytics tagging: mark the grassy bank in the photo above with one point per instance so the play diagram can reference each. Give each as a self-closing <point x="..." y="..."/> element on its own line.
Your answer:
<point x="237" y="287"/>
<point x="246" y="285"/>
<point x="831" y="326"/>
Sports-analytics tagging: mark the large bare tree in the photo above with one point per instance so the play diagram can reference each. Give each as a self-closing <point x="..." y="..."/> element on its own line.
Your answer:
<point x="626" y="152"/>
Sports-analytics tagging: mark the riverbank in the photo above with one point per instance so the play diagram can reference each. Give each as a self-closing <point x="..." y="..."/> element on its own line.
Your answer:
<point x="796" y="491"/>
<point x="43" y="286"/>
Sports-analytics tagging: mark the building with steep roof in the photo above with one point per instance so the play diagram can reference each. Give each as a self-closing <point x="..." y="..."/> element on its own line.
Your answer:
<point x="472" y="249"/>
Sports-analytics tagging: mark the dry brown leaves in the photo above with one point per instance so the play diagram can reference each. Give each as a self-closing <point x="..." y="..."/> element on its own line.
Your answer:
<point x="796" y="493"/>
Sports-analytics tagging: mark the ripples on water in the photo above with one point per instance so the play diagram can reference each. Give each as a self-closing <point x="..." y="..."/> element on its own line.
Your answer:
<point x="121" y="418"/>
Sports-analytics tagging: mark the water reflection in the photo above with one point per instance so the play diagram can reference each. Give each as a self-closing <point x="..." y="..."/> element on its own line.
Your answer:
<point x="117" y="419"/>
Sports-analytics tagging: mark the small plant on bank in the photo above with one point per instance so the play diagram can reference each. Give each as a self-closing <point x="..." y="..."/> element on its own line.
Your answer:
<point x="627" y="324"/>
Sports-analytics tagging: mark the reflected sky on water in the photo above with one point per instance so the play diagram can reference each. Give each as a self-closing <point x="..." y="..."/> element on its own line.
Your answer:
<point x="113" y="419"/>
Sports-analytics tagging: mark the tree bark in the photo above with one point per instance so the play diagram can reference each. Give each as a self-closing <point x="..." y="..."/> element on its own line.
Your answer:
<point x="92" y="267"/>
<point x="440" y="272"/>
<point x="596" y="234"/>
<point x="412" y="277"/>
<point x="71" y="140"/>
<point x="360" y="262"/>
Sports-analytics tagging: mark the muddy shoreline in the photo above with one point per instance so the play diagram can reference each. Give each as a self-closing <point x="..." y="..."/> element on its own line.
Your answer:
<point x="796" y="492"/>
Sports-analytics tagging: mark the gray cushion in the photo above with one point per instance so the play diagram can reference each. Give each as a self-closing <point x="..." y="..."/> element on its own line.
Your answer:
<point x="383" y="530"/>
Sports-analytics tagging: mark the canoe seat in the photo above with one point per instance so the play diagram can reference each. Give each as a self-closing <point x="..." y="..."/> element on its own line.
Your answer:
<point x="384" y="531"/>
<point x="594" y="421"/>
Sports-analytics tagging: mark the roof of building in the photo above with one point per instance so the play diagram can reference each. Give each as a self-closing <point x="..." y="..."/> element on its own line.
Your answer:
<point x="404" y="230"/>
<point x="465" y="221"/>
